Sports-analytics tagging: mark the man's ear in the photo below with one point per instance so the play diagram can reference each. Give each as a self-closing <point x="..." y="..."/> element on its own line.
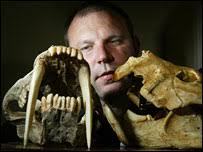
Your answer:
<point x="136" y="44"/>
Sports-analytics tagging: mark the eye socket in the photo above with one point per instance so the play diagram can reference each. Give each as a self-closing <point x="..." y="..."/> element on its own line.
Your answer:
<point x="187" y="76"/>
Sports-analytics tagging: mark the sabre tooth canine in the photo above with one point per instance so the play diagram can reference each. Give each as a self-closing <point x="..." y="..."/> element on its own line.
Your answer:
<point x="84" y="80"/>
<point x="38" y="73"/>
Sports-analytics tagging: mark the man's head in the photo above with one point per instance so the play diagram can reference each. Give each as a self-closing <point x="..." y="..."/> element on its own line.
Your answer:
<point x="105" y="36"/>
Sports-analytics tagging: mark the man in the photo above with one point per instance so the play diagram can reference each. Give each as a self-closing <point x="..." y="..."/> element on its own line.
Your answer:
<point x="105" y="45"/>
<point x="106" y="38"/>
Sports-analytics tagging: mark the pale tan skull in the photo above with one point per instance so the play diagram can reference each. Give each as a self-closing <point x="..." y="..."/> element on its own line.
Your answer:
<point x="49" y="99"/>
<point x="175" y="92"/>
<point x="164" y="84"/>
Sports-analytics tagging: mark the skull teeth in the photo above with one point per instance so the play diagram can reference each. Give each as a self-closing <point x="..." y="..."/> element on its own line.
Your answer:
<point x="58" y="50"/>
<point x="84" y="80"/>
<point x="79" y="104"/>
<point x="67" y="102"/>
<point x="80" y="57"/>
<point x="38" y="73"/>
<point x="72" y="104"/>
<point x="63" y="100"/>
<point x="68" y="51"/>
<point x="49" y="100"/>
<point x="73" y="52"/>
<point x="60" y="102"/>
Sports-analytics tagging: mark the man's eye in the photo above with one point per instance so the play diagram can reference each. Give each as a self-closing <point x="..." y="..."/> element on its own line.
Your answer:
<point x="116" y="41"/>
<point x="86" y="48"/>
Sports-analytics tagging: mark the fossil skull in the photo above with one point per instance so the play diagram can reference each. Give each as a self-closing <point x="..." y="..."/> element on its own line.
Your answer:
<point x="173" y="98"/>
<point x="47" y="103"/>
<point x="184" y="82"/>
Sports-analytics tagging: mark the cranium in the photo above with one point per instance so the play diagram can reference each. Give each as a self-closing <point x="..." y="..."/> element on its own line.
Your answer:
<point x="49" y="99"/>
<point x="173" y="96"/>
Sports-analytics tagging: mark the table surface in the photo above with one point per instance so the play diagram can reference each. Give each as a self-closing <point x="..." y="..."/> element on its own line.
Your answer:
<point x="13" y="146"/>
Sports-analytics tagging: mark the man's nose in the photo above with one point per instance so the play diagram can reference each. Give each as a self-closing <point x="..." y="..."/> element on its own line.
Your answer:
<point x="103" y="54"/>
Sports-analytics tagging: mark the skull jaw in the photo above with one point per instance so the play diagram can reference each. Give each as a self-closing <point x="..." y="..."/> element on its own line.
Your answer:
<point x="35" y="134"/>
<point x="57" y="126"/>
<point x="181" y="128"/>
<point x="37" y="77"/>
<point x="173" y="131"/>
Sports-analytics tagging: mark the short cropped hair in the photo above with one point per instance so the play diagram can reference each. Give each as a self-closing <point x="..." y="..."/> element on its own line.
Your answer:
<point x="95" y="6"/>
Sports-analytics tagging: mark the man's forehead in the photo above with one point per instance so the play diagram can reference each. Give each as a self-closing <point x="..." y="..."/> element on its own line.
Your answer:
<point x="93" y="20"/>
<point x="99" y="16"/>
<point x="98" y="12"/>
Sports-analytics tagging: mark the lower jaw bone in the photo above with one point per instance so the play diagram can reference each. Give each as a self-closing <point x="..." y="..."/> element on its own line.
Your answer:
<point x="57" y="127"/>
<point x="62" y="127"/>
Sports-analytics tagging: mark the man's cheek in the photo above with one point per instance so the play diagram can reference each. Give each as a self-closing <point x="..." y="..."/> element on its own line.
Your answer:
<point x="122" y="57"/>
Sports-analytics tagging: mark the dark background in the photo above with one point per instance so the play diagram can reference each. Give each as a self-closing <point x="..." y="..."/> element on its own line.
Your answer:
<point x="171" y="29"/>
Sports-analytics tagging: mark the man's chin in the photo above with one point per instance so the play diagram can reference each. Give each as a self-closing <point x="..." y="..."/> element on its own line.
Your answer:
<point x="109" y="89"/>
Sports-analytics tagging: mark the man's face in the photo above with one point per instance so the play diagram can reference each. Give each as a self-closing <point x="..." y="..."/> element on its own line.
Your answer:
<point x="105" y="44"/>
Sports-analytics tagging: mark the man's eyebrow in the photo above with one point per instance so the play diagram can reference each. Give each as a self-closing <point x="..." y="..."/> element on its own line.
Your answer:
<point x="85" y="41"/>
<point x="115" y="36"/>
